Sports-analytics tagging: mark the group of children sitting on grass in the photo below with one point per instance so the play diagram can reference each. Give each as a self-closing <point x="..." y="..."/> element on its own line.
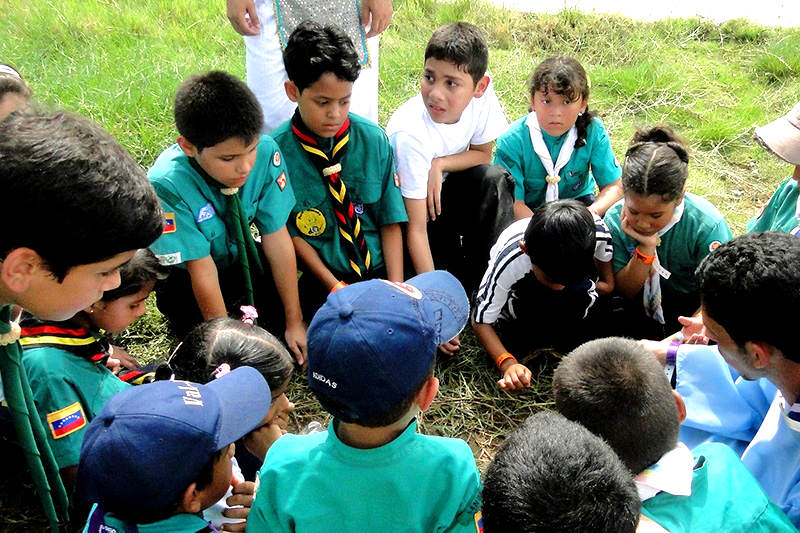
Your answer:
<point x="577" y="247"/>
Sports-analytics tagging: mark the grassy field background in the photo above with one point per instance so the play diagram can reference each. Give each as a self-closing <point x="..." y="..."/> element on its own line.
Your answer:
<point x="120" y="63"/>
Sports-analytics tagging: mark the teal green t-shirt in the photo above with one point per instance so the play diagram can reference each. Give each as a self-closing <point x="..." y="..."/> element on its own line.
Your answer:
<point x="368" y="172"/>
<point x="592" y="162"/>
<point x="68" y="389"/>
<point x="781" y="212"/>
<point x="416" y="483"/>
<point x="725" y="497"/>
<point x="701" y="229"/>
<point x="179" y="523"/>
<point x="195" y="212"/>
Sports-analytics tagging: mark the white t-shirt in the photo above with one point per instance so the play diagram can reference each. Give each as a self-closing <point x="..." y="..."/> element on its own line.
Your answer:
<point x="417" y="139"/>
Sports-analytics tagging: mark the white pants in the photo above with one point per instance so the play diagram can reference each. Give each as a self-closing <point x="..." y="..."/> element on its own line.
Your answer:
<point x="266" y="74"/>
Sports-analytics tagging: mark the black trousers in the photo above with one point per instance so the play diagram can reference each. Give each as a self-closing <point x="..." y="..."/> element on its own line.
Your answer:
<point x="313" y="294"/>
<point x="477" y="205"/>
<point x="175" y="299"/>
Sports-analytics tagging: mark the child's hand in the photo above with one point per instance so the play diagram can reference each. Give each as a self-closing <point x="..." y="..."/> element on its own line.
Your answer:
<point x="296" y="341"/>
<point x="657" y="348"/>
<point x="434" y="191"/>
<point x="515" y="377"/>
<point x="648" y="242"/>
<point x="693" y="330"/>
<point x="450" y="347"/>
<point x="243" y="494"/>
<point x="243" y="16"/>
<point x="121" y="359"/>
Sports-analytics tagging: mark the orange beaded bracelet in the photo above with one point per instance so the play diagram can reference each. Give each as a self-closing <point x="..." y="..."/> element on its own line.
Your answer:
<point x="646" y="259"/>
<point x="339" y="285"/>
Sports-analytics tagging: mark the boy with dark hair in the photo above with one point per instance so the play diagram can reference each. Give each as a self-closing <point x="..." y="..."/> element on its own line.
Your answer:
<point x="442" y="140"/>
<point x="82" y="185"/>
<point x="345" y="226"/>
<point x="551" y="474"/>
<point x="619" y="392"/>
<point x="372" y="350"/>
<point x="540" y="284"/>
<point x="221" y="177"/>
<point x="746" y="390"/>
<point x="157" y="455"/>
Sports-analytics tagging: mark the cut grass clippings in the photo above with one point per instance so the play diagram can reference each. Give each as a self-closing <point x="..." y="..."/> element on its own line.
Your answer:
<point x="120" y="63"/>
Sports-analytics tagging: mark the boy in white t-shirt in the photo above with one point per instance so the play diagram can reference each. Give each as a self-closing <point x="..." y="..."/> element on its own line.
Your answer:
<point x="445" y="134"/>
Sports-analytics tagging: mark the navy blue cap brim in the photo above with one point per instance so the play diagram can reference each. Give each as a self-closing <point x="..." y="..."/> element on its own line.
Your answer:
<point x="446" y="293"/>
<point x="244" y="399"/>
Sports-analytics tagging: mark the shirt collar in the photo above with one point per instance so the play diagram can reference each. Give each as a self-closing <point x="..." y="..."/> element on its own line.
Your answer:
<point x="672" y="473"/>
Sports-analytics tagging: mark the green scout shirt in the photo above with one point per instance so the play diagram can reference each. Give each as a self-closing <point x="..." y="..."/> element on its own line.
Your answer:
<point x="195" y="212"/>
<point x="592" y="162"/>
<point x="781" y="212"/>
<point x="725" y="497"/>
<point x="700" y="231"/>
<point x="69" y="390"/>
<point x="179" y="523"/>
<point x="368" y="173"/>
<point x="415" y="483"/>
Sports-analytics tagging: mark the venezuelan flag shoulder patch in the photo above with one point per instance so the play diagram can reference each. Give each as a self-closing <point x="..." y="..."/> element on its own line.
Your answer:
<point x="66" y="421"/>
<point x="170" y="225"/>
<point x="478" y="522"/>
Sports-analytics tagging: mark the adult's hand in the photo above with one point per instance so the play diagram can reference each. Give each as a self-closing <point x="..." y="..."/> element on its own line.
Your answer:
<point x="377" y="13"/>
<point x="243" y="16"/>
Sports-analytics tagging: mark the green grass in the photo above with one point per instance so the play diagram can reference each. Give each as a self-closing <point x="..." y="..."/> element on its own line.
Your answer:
<point x="120" y="63"/>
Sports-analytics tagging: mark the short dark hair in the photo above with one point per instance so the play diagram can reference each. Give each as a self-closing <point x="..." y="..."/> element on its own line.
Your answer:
<point x="552" y="474"/>
<point x="388" y="418"/>
<point x="565" y="76"/>
<point x="746" y="286"/>
<point x="143" y="268"/>
<point x="231" y="341"/>
<point x="80" y="196"/>
<point x="560" y="239"/>
<point x="313" y="49"/>
<point x="462" y="44"/>
<point x="618" y="390"/>
<point x="656" y="163"/>
<point x="213" y="107"/>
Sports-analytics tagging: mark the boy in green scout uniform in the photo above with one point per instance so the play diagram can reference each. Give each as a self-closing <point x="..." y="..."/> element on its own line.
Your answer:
<point x="782" y="138"/>
<point x="345" y="226"/>
<point x="80" y="184"/>
<point x="67" y="360"/>
<point x="221" y="176"/>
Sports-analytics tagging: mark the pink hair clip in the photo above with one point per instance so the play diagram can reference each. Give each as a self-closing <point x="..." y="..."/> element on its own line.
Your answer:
<point x="221" y="370"/>
<point x="249" y="314"/>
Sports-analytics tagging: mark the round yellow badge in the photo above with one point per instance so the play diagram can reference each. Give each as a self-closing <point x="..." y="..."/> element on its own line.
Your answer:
<point x="310" y="222"/>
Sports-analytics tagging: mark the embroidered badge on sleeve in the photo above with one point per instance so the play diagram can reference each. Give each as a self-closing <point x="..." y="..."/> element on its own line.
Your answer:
<point x="66" y="421"/>
<point x="170" y="226"/>
<point x="281" y="180"/>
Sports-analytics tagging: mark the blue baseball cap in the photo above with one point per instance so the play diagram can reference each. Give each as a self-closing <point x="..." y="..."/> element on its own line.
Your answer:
<point x="372" y="343"/>
<point x="150" y="442"/>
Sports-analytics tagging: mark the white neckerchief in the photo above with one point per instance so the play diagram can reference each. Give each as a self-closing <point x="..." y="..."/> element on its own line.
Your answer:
<point x="541" y="150"/>
<point x="672" y="473"/>
<point x="652" y="285"/>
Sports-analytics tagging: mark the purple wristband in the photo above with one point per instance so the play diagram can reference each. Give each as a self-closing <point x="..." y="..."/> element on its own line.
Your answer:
<point x="672" y="353"/>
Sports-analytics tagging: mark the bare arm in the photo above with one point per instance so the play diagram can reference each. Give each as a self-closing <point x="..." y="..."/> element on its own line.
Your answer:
<point x="521" y="210"/>
<point x="392" y="246"/>
<point x="478" y="154"/>
<point x="310" y="258"/>
<point x="205" y="285"/>
<point x="279" y="251"/>
<point x="515" y="375"/>
<point x="418" y="246"/>
<point x="609" y="194"/>
<point x="605" y="280"/>
<point x="243" y="16"/>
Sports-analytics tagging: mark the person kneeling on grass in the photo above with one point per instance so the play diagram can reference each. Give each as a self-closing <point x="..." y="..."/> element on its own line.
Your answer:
<point x="540" y="286"/>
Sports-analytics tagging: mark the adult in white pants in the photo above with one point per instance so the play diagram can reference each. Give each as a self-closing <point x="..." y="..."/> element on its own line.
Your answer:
<point x="255" y="20"/>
